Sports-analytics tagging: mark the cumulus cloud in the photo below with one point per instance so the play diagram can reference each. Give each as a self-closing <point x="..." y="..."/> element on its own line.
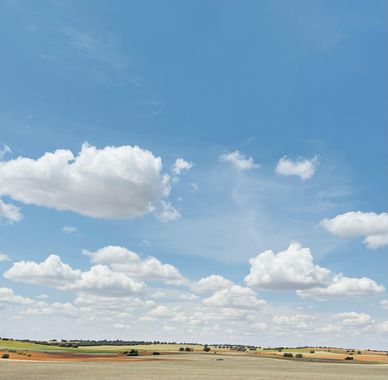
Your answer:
<point x="295" y="269"/>
<point x="43" y="308"/>
<point x="341" y="286"/>
<point x="234" y="297"/>
<point x="51" y="272"/>
<point x="181" y="165"/>
<point x="8" y="296"/>
<point x="3" y="257"/>
<point x="352" y="318"/>
<point x="372" y="226"/>
<point x="211" y="283"/>
<point x="122" y="260"/>
<point x="10" y="212"/>
<point x="303" y="168"/>
<point x="114" y="182"/>
<point x="239" y="161"/>
<point x="289" y="269"/>
<point x="100" y="279"/>
<point x="168" y="213"/>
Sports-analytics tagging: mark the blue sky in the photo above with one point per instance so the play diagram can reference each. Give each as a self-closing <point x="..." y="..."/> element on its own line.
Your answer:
<point x="277" y="110"/>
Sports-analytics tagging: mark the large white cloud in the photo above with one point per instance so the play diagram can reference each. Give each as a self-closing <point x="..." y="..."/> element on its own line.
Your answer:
<point x="239" y="161"/>
<point x="341" y="286"/>
<point x="290" y="269"/>
<point x="295" y="269"/>
<point x="303" y="168"/>
<point x="50" y="272"/>
<point x="372" y="226"/>
<point x="113" y="182"/>
<point x="120" y="259"/>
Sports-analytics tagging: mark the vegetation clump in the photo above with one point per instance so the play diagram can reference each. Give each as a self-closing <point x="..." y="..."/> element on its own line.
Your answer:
<point x="299" y="356"/>
<point x="349" y="358"/>
<point x="288" y="355"/>
<point x="5" y="356"/>
<point x="206" y="348"/>
<point x="133" y="353"/>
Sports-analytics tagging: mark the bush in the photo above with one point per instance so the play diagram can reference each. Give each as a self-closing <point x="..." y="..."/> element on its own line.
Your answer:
<point x="5" y="356"/>
<point x="312" y="352"/>
<point x="349" y="358"/>
<point x="288" y="355"/>
<point x="133" y="353"/>
<point x="156" y="353"/>
<point x="181" y="348"/>
<point x="299" y="356"/>
<point x="359" y="352"/>
<point x="188" y="349"/>
<point x="206" y="348"/>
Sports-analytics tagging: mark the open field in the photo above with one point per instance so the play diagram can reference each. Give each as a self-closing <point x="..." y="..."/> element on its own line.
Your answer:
<point x="192" y="366"/>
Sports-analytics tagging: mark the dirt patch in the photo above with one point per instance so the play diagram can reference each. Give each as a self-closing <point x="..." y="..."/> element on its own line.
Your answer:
<point x="75" y="357"/>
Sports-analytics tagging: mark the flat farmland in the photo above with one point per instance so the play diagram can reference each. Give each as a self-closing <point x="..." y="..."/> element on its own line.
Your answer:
<point x="191" y="366"/>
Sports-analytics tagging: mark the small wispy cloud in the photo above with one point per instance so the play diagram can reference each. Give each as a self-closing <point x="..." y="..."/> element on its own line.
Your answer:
<point x="69" y="229"/>
<point x="239" y="161"/>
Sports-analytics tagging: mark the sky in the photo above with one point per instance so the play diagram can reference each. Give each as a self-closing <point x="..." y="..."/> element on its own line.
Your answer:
<point x="194" y="171"/>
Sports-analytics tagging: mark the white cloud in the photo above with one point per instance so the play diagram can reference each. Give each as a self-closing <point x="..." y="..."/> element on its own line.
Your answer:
<point x="295" y="269"/>
<point x="43" y="308"/>
<point x="188" y="297"/>
<point x="180" y="165"/>
<point x="234" y="297"/>
<point x="168" y="213"/>
<point x="158" y="312"/>
<point x="341" y="286"/>
<point x="10" y="212"/>
<point x="383" y="326"/>
<point x="3" y="257"/>
<point x="303" y="168"/>
<point x="69" y="229"/>
<point x="290" y="269"/>
<point x="374" y="227"/>
<point x="292" y="320"/>
<point x="239" y="161"/>
<point x="8" y="296"/>
<point x="211" y="283"/>
<point x="122" y="260"/>
<point x="100" y="279"/>
<point x="114" y="182"/>
<point x="384" y="304"/>
<point x="353" y="318"/>
<point x="51" y="272"/>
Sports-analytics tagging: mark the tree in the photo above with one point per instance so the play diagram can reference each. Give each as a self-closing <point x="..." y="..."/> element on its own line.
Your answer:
<point x="181" y="348"/>
<point x="5" y="356"/>
<point x="206" y="348"/>
<point x="133" y="353"/>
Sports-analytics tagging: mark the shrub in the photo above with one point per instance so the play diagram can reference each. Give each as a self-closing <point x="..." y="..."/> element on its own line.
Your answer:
<point x="206" y="348"/>
<point x="133" y="353"/>
<point x="156" y="353"/>
<point x="288" y="355"/>
<point x="349" y="358"/>
<point x="181" y="348"/>
<point x="312" y="352"/>
<point x="299" y="356"/>
<point x="5" y="356"/>
<point x="359" y="352"/>
<point x="188" y="349"/>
